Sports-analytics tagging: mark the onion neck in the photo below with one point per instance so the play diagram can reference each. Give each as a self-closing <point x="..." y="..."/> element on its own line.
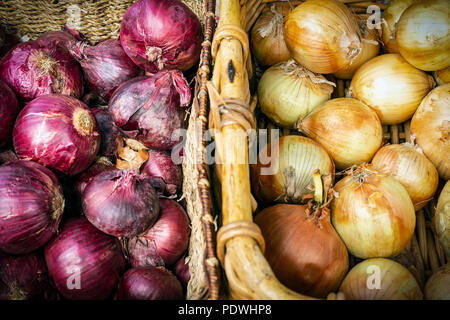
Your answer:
<point x="58" y="205"/>
<point x="45" y="63"/>
<point x="15" y="293"/>
<point x="154" y="54"/>
<point x="83" y="122"/>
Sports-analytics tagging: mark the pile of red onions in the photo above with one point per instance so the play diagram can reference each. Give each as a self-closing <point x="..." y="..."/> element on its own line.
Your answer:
<point x="149" y="108"/>
<point x="59" y="132"/>
<point x="9" y="107"/>
<point x="109" y="133"/>
<point x="161" y="34"/>
<point x="30" y="208"/>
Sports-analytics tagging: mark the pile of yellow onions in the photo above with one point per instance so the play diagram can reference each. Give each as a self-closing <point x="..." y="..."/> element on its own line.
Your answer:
<point x="438" y="285"/>
<point x="288" y="91"/>
<point x="441" y="219"/>
<point x="442" y="76"/>
<point x="349" y="131"/>
<point x="391" y="86"/>
<point x="430" y="126"/>
<point x="373" y="214"/>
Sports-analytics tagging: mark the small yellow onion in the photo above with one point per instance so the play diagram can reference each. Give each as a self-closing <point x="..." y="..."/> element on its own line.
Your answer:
<point x="441" y="219"/>
<point x="286" y="178"/>
<point x="438" y="285"/>
<point x="267" y="35"/>
<point x="373" y="214"/>
<point x="411" y="168"/>
<point x="391" y="86"/>
<point x="423" y="35"/>
<point x="380" y="279"/>
<point x="288" y="91"/>
<point x="442" y="76"/>
<point x="430" y="127"/>
<point x="322" y="35"/>
<point x="349" y="130"/>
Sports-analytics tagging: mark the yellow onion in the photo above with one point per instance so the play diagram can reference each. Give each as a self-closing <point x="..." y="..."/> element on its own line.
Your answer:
<point x="441" y="219"/>
<point x="430" y="126"/>
<point x="349" y="130"/>
<point x="438" y="285"/>
<point x="267" y="35"/>
<point x="373" y="214"/>
<point x="288" y="91"/>
<point x="380" y="279"/>
<point x="322" y="35"/>
<point x="423" y="36"/>
<point x="411" y="168"/>
<point x="288" y="175"/>
<point x="391" y="86"/>
<point x="442" y="76"/>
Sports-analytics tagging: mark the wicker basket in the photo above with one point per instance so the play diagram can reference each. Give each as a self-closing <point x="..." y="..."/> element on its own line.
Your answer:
<point x="240" y="245"/>
<point x="99" y="20"/>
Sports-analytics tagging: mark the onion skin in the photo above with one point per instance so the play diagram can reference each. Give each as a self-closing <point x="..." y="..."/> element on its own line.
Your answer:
<point x="63" y="38"/>
<point x="59" y="132"/>
<point x="181" y="270"/>
<point x="161" y="34"/>
<point x="396" y="282"/>
<point x="109" y="133"/>
<point x="438" y="285"/>
<point x="318" y="46"/>
<point x="441" y="219"/>
<point x="100" y="165"/>
<point x="430" y="126"/>
<point x="422" y="35"/>
<point x="442" y="76"/>
<point x="31" y="207"/>
<point x="373" y="214"/>
<point x="411" y="168"/>
<point x="80" y="251"/>
<point x="9" y="108"/>
<point x="349" y="131"/>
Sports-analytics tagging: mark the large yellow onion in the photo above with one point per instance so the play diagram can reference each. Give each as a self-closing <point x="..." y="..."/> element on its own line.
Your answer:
<point x="442" y="76"/>
<point x="391" y="86"/>
<point x="441" y="219"/>
<point x="430" y="126"/>
<point x="267" y="35"/>
<point x="373" y="214"/>
<point x="411" y="168"/>
<point x="380" y="279"/>
<point x="322" y="35"/>
<point x="423" y="35"/>
<point x="286" y="178"/>
<point x="349" y="130"/>
<point x="288" y="91"/>
<point x="438" y="285"/>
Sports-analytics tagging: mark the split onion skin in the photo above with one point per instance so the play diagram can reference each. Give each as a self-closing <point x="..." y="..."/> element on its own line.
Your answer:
<point x="395" y="282"/>
<point x="438" y="285"/>
<point x="430" y="126"/>
<point x="391" y="86"/>
<point x="441" y="219"/>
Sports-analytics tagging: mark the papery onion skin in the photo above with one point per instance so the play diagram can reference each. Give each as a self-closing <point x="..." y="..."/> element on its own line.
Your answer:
<point x="25" y="276"/>
<point x="441" y="219"/>
<point x="438" y="285"/>
<point x="288" y="92"/>
<point x="59" y="132"/>
<point x="395" y="282"/>
<point x="109" y="133"/>
<point x="430" y="126"/>
<point x="318" y="46"/>
<point x="121" y="203"/>
<point x="422" y="35"/>
<point x="80" y="252"/>
<point x="31" y="206"/>
<point x="9" y="108"/>
<point x="349" y="131"/>
<point x="442" y="76"/>
<point x="100" y="165"/>
<point x="411" y="168"/>
<point x="391" y="86"/>
<point x="286" y="178"/>
<point x="373" y="214"/>
<point x="161" y="34"/>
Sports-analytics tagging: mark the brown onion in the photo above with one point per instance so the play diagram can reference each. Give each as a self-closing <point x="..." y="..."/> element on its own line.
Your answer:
<point x="441" y="219"/>
<point x="442" y="76"/>
<point x="438" y="285"/>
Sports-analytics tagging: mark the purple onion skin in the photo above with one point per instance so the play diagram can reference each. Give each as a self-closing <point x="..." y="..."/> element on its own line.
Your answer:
<point x="152" y="283"/>
<point x="31" y="206"/>
<point x="63" y="38"/>
<point x="9" y="108"/>
<point x="121" y="203"/>
<point x="32" y="69"/>
<point x="161" y="34"/>
<point x="59" y="132"/>
<point x="25" y="276"/>
<point x="166" y="240"/>
<point x="82" y="252"/>
<point x="148" y="109"/>
<point x="181" y="270"/>
<point x="109" y="133"/>
<point x="96" y="168"/>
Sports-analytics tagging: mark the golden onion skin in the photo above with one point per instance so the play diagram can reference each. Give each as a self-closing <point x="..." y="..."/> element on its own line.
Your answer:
<point x="438" y="285"/>
<point x="442" y="76"/>
<point x="441" y="219"/>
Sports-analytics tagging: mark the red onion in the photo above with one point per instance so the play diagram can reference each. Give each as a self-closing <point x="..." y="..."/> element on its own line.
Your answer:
<point x="152" y="283"/>
<point x="160" y="166"/>
<point x="100" y="165"/>
<point x="84" y="263"/>
<point x="63" y="38"/>
<point x="166" y="240"/>
<point x="9" y="108"/>
<point x="25" y="276"/>
<point x="161" y="34"/>
<point x="109" y="133"/>
<point x="30" y="208"/>
<point x="181" y="270"/>
<point x="32" y="69"/>
<point x="148" y="108"/>
<point x="59" y="132"/>
<point x="121" y="203"/>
